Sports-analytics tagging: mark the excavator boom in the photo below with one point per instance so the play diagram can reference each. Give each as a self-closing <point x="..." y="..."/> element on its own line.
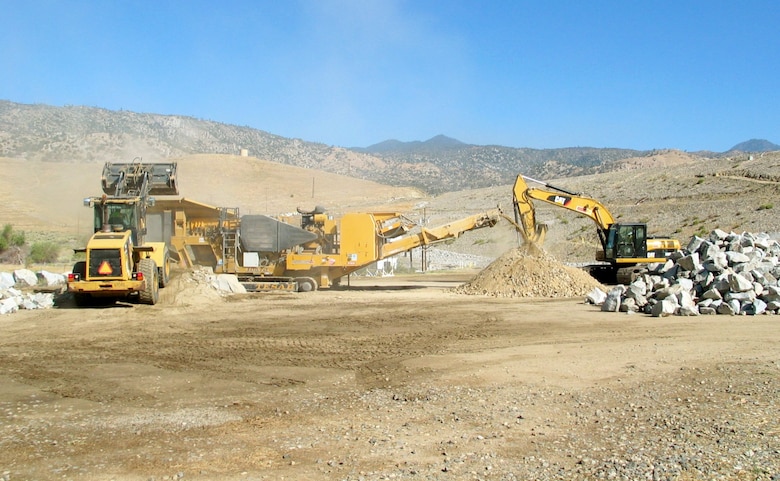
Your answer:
<point x="524" y="209"/>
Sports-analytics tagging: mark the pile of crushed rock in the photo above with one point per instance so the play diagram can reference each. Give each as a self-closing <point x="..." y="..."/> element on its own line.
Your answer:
<point x="529" y="272"/>
<point x="200" y="285"/>
<point x="725" y="273"/>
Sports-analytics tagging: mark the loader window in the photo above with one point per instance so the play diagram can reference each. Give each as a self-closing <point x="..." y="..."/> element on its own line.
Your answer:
<point x="120" y="217"/>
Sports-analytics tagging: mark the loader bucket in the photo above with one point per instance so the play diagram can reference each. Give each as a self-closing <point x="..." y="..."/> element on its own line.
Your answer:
<point x="127" y="179"/>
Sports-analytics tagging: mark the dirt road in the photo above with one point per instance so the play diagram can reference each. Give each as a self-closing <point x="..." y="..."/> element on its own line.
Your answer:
<point x="395" y="378"/>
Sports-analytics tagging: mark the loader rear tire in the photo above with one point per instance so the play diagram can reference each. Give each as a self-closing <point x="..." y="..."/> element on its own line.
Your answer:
<point x="80" y="268"/>
<point x="165" y="270"/>
<point x="150" y="294"/>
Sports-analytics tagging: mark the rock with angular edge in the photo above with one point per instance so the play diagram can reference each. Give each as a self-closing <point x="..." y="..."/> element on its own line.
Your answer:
<point x="50" y="279"/>
<point x="596" y="296"/>
<point x="612" y="301"/>
<point x="735" y="258"/>
<point x="754" y="308"/>
<point x="9" y="305"/>
<point x="229" y="283"/>
<point x="690" y="262"/>
<point x="6" y="280"/>
<point x="25" y="278"/>
<point x="739" y="283"/>
<point x="663" y="308"/>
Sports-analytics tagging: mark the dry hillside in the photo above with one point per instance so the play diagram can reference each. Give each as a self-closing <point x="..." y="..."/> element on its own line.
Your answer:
<point x="675" y="193"/>
<point x="47" y="196"/>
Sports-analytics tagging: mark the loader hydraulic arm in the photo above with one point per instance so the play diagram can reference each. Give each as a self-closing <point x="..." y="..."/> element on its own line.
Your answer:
<point x="438" y="234"/>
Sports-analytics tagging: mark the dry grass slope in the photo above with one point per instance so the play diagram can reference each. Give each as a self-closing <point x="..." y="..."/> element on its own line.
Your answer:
<point x="676" y="194"/>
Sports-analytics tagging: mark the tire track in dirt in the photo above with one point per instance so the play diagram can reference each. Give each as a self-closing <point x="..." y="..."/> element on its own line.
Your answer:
<point x="369" y="344"/>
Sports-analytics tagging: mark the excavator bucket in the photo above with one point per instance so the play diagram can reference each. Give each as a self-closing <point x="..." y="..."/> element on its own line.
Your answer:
<point x="138" y="179"/>
<point x="525" y="215"/>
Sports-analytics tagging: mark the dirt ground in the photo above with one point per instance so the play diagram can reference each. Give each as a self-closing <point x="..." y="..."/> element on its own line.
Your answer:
<point x="393" y="378"/>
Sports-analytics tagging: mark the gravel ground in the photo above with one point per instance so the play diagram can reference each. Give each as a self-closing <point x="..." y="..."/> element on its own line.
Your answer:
<point x="381" y="382"/>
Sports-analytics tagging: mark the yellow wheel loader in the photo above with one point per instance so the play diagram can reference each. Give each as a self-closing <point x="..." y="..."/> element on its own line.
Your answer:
<point x="119" y="262"/>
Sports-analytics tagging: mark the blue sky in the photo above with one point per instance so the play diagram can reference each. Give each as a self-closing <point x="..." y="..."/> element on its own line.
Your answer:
<point x="691" y="75"/>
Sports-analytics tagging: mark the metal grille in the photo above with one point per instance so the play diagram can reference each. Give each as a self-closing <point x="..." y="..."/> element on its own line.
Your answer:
<point x="112" y="257"/>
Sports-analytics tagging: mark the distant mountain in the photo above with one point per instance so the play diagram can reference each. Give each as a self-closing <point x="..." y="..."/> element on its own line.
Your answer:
<point x="446" y="164"/>
<point x="756" y="145"/>
<point x="434" y="143"/>
<point x="440" y="164"/>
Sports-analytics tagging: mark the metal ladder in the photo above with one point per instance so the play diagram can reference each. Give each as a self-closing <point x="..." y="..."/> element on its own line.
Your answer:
<point x="228" y="226"/>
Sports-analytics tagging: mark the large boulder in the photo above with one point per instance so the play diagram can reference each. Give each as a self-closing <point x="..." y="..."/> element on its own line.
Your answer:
<point x="25" y="278"/>
<point x="50" y="279"/>
<point x="597" y="296"/>
<point x="664" y="308"/>
<point x="228" y="283"/>
<point x="6" y="280"/>
<point x="613" y="299"/>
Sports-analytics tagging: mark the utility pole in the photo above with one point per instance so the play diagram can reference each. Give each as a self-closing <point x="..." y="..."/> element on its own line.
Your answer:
<point x="424" y="254"/>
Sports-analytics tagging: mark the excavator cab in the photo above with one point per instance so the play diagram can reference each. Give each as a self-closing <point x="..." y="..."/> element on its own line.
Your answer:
<point x="626" y="241"/>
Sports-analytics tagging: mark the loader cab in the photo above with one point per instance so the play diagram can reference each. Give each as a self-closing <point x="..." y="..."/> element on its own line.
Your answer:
<point x="626" y="241"/>
<point x="119" y="217"/>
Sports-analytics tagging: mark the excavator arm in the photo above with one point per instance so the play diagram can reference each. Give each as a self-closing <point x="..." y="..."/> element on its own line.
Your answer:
<point x="525" y="216"/>
<point x="427" y="236"/>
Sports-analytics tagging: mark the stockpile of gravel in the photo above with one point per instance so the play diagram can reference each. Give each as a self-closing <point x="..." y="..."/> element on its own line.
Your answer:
<point x="198" y="286"/>
<point x="529" y="272"/>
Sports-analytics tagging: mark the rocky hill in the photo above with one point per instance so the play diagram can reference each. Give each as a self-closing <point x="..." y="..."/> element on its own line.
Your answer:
<point x="755" y="145"/>
<point x="78" y="134"/>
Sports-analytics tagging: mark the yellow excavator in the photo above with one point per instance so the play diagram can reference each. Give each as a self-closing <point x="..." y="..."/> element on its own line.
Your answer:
<point x="626" y="248"/>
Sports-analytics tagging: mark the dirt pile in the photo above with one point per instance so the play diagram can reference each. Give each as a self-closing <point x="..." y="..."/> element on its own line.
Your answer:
<point x="529" y="272"/>
<point x="192" y="287"/>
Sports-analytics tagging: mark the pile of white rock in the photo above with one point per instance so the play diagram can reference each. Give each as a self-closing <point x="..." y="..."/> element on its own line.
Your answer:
<point x="725" y="273"/>
<point x="25" y="289"/>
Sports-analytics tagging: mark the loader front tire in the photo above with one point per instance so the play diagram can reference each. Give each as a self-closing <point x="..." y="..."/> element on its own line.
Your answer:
<point x="150" y="294"/>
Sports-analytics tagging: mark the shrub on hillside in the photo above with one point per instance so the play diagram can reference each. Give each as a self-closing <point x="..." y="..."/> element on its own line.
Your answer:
<point x="44" y="252"/>
<point x="9" y="238"/>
